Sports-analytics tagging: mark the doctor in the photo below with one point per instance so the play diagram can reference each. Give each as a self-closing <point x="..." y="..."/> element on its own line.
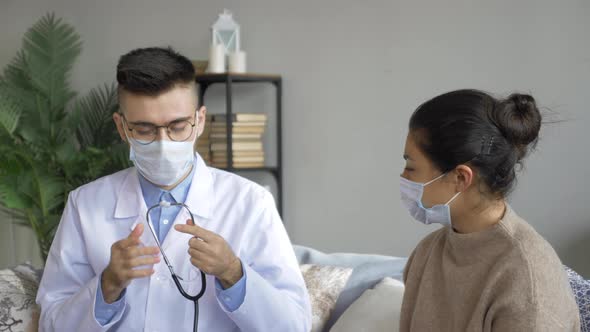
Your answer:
<point x="104" y="271"/>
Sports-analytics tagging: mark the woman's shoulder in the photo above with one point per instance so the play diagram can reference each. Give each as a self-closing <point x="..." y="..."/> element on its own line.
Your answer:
<point x="529" y="245"/>
<point x="534" y="271"/>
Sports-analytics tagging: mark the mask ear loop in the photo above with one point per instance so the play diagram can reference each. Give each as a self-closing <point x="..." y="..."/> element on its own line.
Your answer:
<point x="452" y="199"/>
<point x="433" y="180"/>
<point x="438" y="177"/>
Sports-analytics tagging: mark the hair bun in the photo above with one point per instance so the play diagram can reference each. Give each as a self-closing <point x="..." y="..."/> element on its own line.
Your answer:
<point x="519" y="120"/>
<point x="523" y="103"/>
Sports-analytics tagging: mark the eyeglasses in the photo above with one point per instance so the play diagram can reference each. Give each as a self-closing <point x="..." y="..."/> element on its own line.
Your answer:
<point x="146" y="133"/>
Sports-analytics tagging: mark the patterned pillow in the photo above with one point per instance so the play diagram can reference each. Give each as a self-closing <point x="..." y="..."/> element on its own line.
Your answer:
<point x="581" y="288"/>
<point x="18" y="288"/>
<point x="324" y="284"/>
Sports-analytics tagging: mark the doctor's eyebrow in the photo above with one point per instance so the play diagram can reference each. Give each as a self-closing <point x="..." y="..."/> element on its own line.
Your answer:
<point x="144" y="123"/>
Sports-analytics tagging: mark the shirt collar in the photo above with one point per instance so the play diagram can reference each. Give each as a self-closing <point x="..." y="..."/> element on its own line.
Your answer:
<point x="199" y="199"/>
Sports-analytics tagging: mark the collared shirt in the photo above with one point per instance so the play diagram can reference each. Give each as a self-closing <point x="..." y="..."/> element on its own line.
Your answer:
<point x="162" y="220"/>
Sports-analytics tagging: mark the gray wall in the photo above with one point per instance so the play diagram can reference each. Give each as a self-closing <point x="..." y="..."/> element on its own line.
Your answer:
<point x="353" y="73"/>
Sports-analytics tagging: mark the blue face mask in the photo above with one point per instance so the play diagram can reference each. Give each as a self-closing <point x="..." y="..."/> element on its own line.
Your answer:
<point x="411" y="193"/>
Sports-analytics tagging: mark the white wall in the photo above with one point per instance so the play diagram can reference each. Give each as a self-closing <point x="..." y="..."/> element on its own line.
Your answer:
<point x="353" y="73"/>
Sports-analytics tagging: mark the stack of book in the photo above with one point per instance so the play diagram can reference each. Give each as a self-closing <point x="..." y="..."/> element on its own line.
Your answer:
<point x="204" y="143"/>
<point x="247" y="132"/>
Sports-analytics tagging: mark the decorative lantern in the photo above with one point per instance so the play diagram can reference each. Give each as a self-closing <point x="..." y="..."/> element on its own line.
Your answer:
<point x="225" y="31"/>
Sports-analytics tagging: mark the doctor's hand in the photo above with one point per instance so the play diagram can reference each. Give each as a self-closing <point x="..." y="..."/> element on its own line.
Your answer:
<point x="126" y="255"/>
<point x="211" y="254"/>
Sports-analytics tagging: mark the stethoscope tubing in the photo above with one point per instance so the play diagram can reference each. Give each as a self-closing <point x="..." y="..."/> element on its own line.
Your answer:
<point x="175" y="277"/>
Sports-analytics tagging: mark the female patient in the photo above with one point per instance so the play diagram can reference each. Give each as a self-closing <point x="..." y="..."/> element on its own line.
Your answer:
<point x="487" y="270"/>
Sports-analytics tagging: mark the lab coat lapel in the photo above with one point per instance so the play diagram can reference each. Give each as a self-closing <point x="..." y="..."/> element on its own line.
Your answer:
<point x="130" y="204"/>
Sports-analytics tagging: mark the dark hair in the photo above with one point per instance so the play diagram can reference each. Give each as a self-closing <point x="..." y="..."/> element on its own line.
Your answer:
<point x="471" y="126"/>
<point x="154" y="70"/>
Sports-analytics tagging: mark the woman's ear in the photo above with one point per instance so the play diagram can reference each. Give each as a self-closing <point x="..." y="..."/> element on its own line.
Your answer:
<point x="464" y="177"/>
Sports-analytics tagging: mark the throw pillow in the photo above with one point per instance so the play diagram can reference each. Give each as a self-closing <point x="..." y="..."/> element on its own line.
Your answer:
<point x="581" y="289"/>
<point x="368" y="271"/>
<point x="18" y="288"/>
<point x="324" y="284"/>
<point x="378" y="309"/>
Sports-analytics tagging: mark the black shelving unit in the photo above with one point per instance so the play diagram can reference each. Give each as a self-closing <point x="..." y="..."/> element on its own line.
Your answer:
<point x="229" y="79"/>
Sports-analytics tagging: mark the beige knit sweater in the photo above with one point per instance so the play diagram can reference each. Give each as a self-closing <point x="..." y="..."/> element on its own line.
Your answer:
<point x="506" y="278"/>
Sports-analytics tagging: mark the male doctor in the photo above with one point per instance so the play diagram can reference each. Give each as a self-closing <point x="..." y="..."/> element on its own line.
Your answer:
<point x="104" y="271"/>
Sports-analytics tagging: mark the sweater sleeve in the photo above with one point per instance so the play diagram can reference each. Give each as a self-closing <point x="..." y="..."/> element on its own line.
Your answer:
<point x="534" y="319"/>
<point x="408" y="265"/>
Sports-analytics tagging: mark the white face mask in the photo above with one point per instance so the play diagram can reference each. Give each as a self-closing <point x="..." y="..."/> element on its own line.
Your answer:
<point x="411" y="193"/>
<point x="162" y="162"/>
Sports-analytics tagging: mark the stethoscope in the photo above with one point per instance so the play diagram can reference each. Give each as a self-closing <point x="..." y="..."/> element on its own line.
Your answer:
<point x="175" y="277"/>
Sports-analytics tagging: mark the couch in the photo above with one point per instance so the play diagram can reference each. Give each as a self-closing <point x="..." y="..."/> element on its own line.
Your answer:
<point x="368" y="297"/>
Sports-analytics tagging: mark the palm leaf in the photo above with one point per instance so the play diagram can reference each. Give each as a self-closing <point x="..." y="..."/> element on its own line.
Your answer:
<point x="10" y="195"/>
<point x="25" y="184"/>
<point x="94" y="113"/>
<point x="45" y="188"/>
<point x="10" y="112"/>
<point x="52" y="145"/>
<point x="16" y="73"/>
<point x="52" y="47"/>
<point x="119" y="156"/>
<point x="13" y="215"/>
<point x="12" y="176"/>
<point x="38" y="80"/>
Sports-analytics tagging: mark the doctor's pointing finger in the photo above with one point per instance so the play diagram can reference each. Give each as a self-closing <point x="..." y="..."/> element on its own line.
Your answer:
<point x="211" y="254"/>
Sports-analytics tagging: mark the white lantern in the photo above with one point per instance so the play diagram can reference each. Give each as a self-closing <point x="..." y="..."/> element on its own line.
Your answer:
<point x="225" y="31"/>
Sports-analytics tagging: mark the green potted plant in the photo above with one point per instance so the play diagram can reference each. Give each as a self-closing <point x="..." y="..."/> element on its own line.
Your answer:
<point x="51" y="141"/>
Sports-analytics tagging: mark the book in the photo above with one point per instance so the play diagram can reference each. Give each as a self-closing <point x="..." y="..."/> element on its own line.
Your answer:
<point x="238" y="146"/>
<point x="238" y="130"/>
<point x="235" y="124"/>
<point x="223" y="154"/>
<point x="242" y="117"/>
<point x="240" y="140"/>
<point x="203" y="147"/>
<point x="239" y="165"/>
<point x="235" y="136"/>
<point x="239" y="159"/>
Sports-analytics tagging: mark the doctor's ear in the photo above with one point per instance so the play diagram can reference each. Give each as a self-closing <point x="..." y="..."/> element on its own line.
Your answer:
<point x="118" y="119"/>
<point x="202" y="118"/>
<point x="464" y="177"/>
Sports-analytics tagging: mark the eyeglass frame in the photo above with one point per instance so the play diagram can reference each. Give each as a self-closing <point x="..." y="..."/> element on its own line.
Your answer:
<point x="157" y="128"/>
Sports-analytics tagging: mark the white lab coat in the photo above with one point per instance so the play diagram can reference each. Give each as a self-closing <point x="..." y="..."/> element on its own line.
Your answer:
<point x="243" y="213"/>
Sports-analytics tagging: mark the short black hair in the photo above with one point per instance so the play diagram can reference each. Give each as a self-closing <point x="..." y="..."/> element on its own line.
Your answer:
<point x="471" y="126"/>
<point x="154" y="70"/>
